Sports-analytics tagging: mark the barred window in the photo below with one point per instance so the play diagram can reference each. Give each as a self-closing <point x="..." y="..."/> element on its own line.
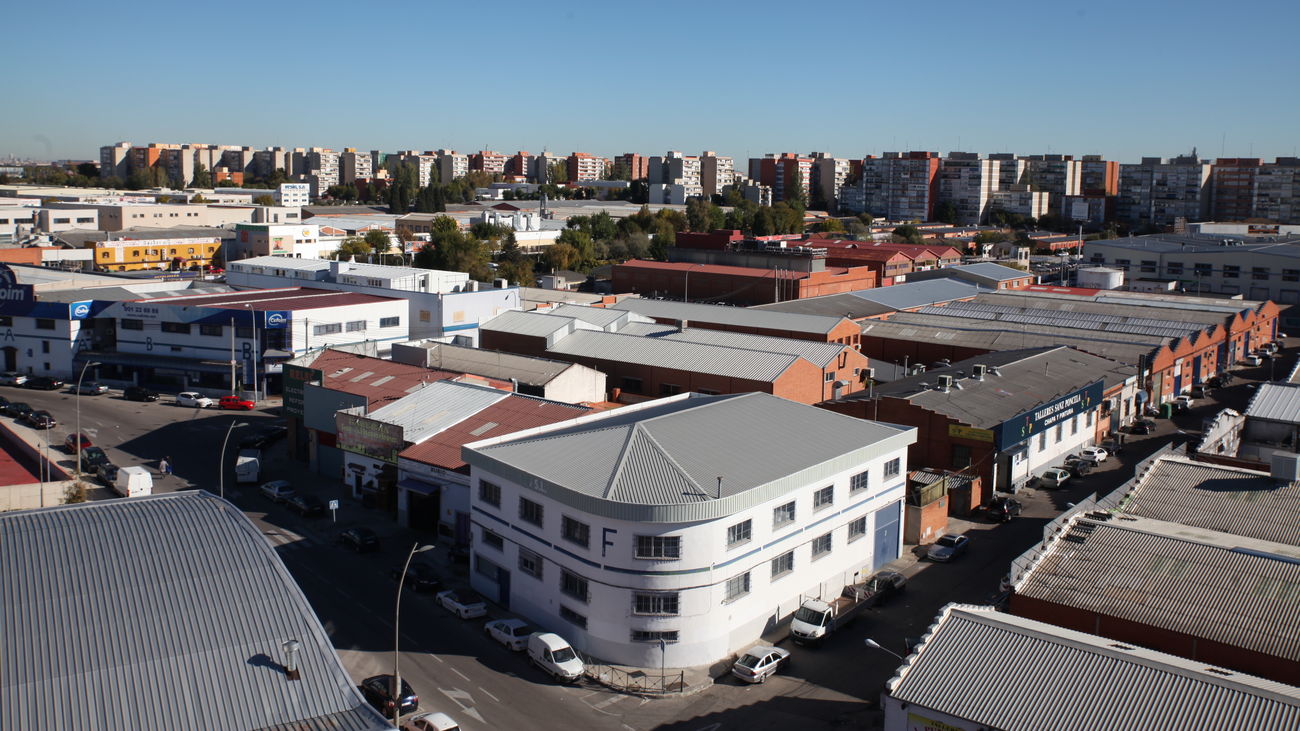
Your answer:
<point x="356" y="326"/>
<point x="575" y="531"/>
<point x="530" y="512"/>
<point x="821" y="545"/>
<point x="530" y="563"/>
<point x="493" y="540"/>
<point x="390" y="321"/>
<point x="823" y="498"/>
<point x="737" y="586"/>
<point x="658" y="547"/>
<point x="783" y="514"/>
<point x="857" y="529"/>
<point x="332" y="328"/>
<point x="655" y="603"/>
<point x="574" y="585"/>
<point x="739" y="533"/>
<point x="783" y="564"/>
<point x="489" y="493"/>
<point x="573" y="617"/>
<point x="893" y="467"/>
<point x="860" y="481"/>
<point x="641" y="635"/>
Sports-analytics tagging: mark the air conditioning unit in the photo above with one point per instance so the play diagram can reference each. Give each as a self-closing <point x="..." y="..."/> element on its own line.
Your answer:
<point x="978" y="371"/>
<point x="945" y="383"/>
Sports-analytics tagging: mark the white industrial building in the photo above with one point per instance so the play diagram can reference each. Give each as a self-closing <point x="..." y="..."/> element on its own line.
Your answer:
<point x="692" y="520"/>
<point x="442" y="305"/>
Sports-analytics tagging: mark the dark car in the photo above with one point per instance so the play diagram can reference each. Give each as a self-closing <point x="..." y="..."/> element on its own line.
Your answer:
<point x="17" y="409"/>
<point x="40" y="420"/>
<point x="75" y="441"/>
<point x="308" y="506"/>
<point x="263" y="438"/>
<point x="1090" y="461"/>
<point x="92" y="457"/>
<point x="3" y="403"/>
<point x="1079" y="468"/>
<point x="420" y="576"/>
<point x="378" y="690"/>
<point x="1145" y="426"/>
<point x="361" y="540"/>
<point x="107" y="473"/>
<point x="882" y="586"/>
<point x="1003" y="509"/>
<point x="139" y="393"/>
<point x="43" y="383"/>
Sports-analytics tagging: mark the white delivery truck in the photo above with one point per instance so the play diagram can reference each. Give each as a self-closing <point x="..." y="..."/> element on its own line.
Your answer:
<point x="133" y="482"/>
<point x="553" y="655"/>
<point x="248" y="465"/>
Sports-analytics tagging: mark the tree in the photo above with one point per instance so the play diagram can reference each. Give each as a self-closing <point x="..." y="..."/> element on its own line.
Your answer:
<point x="560" y="256"/>
<point x="88" y="169"/>
<point x="990" y="237"/>
<point x="228" y="183"/>
<point x="946" y="212"/>
<point x="456" y="252"/>
<point x="582" y="245"/>
<point x="352" y="246"/>
<point x="517" y="272"/>
<point x="378" y="240"/>
<point x="198" y="198"/>
<point x="831" y="225"/>
<point x="443" y="224"/>
<point x="342" y="192"/>
<point x="264" y="200"/>
<point x="202" y="178"/>
<point x="908" y="234"/>
<point x="557" y="172"/>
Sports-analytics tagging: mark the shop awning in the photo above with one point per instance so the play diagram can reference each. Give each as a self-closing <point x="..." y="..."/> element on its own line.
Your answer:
<point x="418" y="486"/>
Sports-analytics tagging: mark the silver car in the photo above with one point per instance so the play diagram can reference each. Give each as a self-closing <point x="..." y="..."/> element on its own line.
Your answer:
<point x="760" y="663"/>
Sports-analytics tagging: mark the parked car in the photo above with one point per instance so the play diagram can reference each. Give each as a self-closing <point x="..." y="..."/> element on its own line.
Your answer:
<point x="882" y="586"/>
<point x="308" y="506"/>
<point x="235" y="403"/>
<point x="1144" y="426"/>
<point x="193" y="400"/>
<point x="107" y="473"/>
<point x="1096" y="454"/>
<point x="431" y="721"/>
<point x="555" y="656"/>
<point x="139" y="393"/>
<point x="278" y="490"/>
<point x="3" y="403"/>
<point x="1079" y="468"/>
<point x="1053" y="478"/>
<point x="378" y="692"/>
<point x="92" y="457"/>
<point x="75" y="441"/>
<point x="263" y="438"/>
<point x="43" y="383"/>
<point x="511" y="633"/>
<point x="1183" y="402"/>
<point x="361" y="540"/>
<point x="463" y="604"/>
<point x="1079" y="458"/>
<point x="1252" y="361"/>
<point x="17" y="409"/>
<point x="947" y="547"/>
<point x="760" y="663"/>
<point x="40" y="420"/>
<point x="12" y="378"/>
<point x="1200" y="391"/>
<point x="1112" y="446"/>
<point x="420" y="576"/>
<point x="91" y="388"/>
<point x="1003" y="509"/>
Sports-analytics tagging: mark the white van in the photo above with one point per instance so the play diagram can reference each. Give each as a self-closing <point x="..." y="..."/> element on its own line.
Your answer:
<point x="553" y="655"/>
<point x="133" y="481"/>
<point x="248" y="465"/>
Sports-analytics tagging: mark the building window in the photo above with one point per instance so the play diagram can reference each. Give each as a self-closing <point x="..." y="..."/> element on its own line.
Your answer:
<point x="830" y="376"/>
<point x="783" y="564"/>
<point x="658" y="547"/>
<point x="43" y="323"/>
<point x="893" y="467"/>
<point x="1148" y="266"/>
<point x="212" y="331"/>
<point x="573" y="617"/>
<point x="489" y="493"/>
<point x="424" y="316"/>
<point x="960" y="456"/>
<point x="247" y="332"/>
<point x="641" y="635"/>
<point x="1059" y="433"/>
<point x="1042" y="441"/>
<point x="1203" y="270"/>
<point x="1291" y="275"/>
<point x="632" y="385"/>
<point x="821" y="545"/>
<point x="739" y="533"/>
<point x="823" y="498"/>
<point x="1074" y="426"/>
<point x="132" y="324"/>
<point x="356" y="326"/>
<point x="530" y="563"/>
<point x="1259" y="273"/>
<point x="737" y="586"/>
<point x="1089" y="417"/>
<point x="177" y="328"/>
<point x="1231" y="271"/>
<point x="330" y="329"/>
<point x="669" y="389"/>
<point x="45" y="346"/>
<point x="493" y="540"/>
<point x="1174" y="269"/>
<point x="1122" y="263"/>
<point x="530" y="512"/>
<point x="390" y="321"/>
<point x="857" y="529"/>
<point x="574" y="586"/>
<point x="575" y="531"/>
<point x="860" y="481"/>
<point x="6" y="321"/>
<point x="661" y="603"/>
<point x="783" y="514"/>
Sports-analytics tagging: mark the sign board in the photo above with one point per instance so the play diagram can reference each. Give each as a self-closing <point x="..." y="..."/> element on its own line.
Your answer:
<point x="1041" y="418"/>
<point x="967" y="432"/>
<point x="369" y="438"/>
<point x="12" y="294"/>
<point x="275" y="319"/>
<point x="917" y="722"/>
<point x="334" y="505"/>
<point x="294" y="378"/>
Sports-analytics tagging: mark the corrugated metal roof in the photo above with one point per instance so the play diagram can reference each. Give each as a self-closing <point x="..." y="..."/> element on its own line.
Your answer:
<point x="1229" y="589"/>
<point x="918" y="294"/>
<point x="377" y="379"/>
<point x="601" y="317"/>
<point x="686" y="356"/>
<point x="509" y="415"/>
<point x="493" y="363"/>
<point x="740" y="316"/>
<point x="532" y="324"/>
<point x="975" y="662"/>
<point x="819" y="353"/>
<point x="830" y="305"/>
<point x="1275" y="402"/>
<point x="1214" y="497"/>
<point x="436" y="407"/>
<point x="161" y="612"/>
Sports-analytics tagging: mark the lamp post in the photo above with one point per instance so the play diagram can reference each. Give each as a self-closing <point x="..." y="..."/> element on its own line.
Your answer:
<point x="83" y="375"/>
<point x="222" y="467"/>
<point x="397" y="632"/>
<point x="252" y="321"/>
<point x="663" y="678"/>
<point x="876" y="645"/>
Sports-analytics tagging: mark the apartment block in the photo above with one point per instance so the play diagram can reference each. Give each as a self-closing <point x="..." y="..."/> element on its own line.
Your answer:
<point x="583" y="166"/>
<point x="354" y="166"/>
<point x="968" y="183"/>
<point x="1277" y="191"/>
<point x="451" y="165"/>
<point x="1159" y="193"/>
<point x="488" y="161"/>
<point x="114" y="160"/>
<point x="1021" y="200"/>
<point x="1232" y="188"/>
<point x="266" y="162"/>
<point x="1058" y="175"/>
<point x="897" y="186"/>
<point x="716" y="173"/>
<point x="1098" y="176"/>
<point x="674" y="177"/>
<point x="636" y="166"/>
<point x="829" y="175"/>
<point x="520" y="165"/>
<point x="1011" y="169"/>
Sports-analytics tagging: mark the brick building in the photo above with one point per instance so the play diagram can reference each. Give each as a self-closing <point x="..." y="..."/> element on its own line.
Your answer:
<point x="736" y="285"/>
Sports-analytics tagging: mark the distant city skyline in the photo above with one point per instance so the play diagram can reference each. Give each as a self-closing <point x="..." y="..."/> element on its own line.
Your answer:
<point x="851" y="79"/>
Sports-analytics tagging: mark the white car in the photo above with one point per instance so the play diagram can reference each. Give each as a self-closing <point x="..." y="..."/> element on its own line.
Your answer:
<point x="431" y="721"/>
<point x="1097" y="454"/>
<point x="760" y="663"/>
<point x="1183" y="402"/>
<point x="278" y="490"/>
<point x="193" y="399"/>
<point x="511" y="633"/>
<point x="466" y="605"/>
<point x="12" y="378"/>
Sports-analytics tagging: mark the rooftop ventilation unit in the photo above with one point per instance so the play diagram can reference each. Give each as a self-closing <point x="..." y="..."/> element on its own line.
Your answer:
<point x="945" y="384"/>
<point x="978" y="371"/>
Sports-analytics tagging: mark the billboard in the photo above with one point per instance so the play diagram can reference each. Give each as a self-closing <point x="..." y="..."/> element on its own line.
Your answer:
<point x="295" y="377"/>
<point x="369" y="438"/>
<point x="1026" y="424"/>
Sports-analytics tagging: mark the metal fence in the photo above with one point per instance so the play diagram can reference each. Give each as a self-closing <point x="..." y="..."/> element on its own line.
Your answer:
<point x="636" y="681"/>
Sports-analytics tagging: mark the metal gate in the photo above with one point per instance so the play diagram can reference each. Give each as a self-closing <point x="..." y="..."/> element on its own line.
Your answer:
<point x="888" y="524"/>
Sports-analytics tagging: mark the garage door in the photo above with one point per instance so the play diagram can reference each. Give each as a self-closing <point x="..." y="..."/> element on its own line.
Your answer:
<point x="888" y="522"/>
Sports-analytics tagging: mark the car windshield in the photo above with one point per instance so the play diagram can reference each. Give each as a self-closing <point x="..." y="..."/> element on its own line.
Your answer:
<point x="748" y="661"/>
<point x="808" y="615"/>
<point x="948" y="541"/>
<point x="564" y="654"/>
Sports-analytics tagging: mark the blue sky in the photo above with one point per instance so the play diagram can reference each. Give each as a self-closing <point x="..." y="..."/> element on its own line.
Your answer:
<point x="1121" y="79"/>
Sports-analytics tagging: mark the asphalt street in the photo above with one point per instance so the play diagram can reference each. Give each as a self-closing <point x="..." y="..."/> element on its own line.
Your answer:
<point x="455" y="668"/>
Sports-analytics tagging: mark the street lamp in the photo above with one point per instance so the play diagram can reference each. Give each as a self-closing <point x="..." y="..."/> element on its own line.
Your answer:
<point x="222" y="466"/>
<point x="396" y="690"/>
<point x="876" y="645"/>
<point x="83" y="375"/>
<point x="663" y="651"/>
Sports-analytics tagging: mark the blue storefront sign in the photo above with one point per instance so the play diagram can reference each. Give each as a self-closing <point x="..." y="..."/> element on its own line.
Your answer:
<point x="1041" y="418"/>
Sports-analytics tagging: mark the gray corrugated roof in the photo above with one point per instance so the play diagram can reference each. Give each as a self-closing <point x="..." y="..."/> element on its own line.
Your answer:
<point x="534" y="324"/>
<point x="739" y="316"/>
<point x="974" y="662"/>
<point x="161" y="612"/>
<point x="601" y="317"/>
<point x="1157" y="311"/>
<point x="1276" y="402"/>
<point x="436" y="407"/>
<point x="1214" y="497"/>
<point x="832" y="305"/>
<point x="685" y="356"/>
<point x="671" y="452"/>
<point x="819" y="353"/>
<point x="983" y="270"/>
<point x="918" y="294"/>
<point x="493" y="363"/>
<point x="1234" y="590"/>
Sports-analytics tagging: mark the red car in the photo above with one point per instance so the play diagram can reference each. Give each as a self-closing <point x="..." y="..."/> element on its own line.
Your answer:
<point x="71" y="443"/>
<point x="236" y="403"/>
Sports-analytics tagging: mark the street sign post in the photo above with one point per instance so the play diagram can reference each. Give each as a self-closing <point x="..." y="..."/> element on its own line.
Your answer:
<point x="334" y="506"/>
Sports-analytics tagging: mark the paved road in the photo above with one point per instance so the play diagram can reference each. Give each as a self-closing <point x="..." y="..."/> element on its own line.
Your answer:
<point x="456" y="669"/>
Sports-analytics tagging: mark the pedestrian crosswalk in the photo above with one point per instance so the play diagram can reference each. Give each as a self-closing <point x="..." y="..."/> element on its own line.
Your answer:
<point x="283" y="539"/>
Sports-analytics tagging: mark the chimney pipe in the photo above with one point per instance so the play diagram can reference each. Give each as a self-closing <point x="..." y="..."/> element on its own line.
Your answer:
<point x="291" y="649"/>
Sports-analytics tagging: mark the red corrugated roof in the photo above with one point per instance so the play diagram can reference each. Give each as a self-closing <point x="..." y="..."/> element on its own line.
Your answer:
<point x="507" y="416"/>
<point x="287" y="298"/>
<point x="675" y="266"/>
<point x="377" y="379"/>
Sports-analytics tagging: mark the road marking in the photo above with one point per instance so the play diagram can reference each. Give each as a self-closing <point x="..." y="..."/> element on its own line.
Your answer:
<point x="435" y="657"/>
<point x="467" y="680"/>
<point x="608" y="702"/>
<point x="463" y="699"/>
<point x="489" y="695"/>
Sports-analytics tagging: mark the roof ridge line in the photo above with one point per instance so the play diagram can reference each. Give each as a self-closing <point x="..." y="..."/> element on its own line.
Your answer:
<point x="667" y="457"/>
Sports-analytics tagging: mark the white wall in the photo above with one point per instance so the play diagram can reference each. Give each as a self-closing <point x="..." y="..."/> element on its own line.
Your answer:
<point x="1076" y="433"/>
<point x="577" y="384"/>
